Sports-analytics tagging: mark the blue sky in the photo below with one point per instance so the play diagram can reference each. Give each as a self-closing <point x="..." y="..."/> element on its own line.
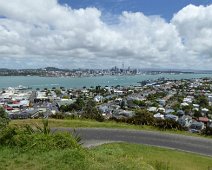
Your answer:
<point x="164" y="8"/>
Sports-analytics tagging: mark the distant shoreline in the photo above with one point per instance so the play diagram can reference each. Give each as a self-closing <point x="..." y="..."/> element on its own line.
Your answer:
<point x="88" y="81"/>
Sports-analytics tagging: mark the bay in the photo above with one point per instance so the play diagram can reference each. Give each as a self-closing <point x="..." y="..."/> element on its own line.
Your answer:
<point x="79" y="82"/>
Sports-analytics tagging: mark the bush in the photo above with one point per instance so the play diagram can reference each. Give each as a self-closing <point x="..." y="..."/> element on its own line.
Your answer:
<point x="6" y="135"/>
<point x="22" y="139"/>
<point x="58" y="116"/>
<point x="4" y="118"/>
<point x="37" y="137"/>
<point x="168" y="124"/>
<point x="207" y="131"/>
<point x="142" y="117"/>
<point x="91" y="112"/>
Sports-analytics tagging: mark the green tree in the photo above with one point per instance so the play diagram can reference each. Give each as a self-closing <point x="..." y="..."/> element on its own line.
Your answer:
<point x="4" y="118"/>
<point x="197" y="113"/>
<point x="78" y="105"/>
<point x="168" y="124"/>
<point x="202" y="101"/>
<point x="91" y="112"/>
<point x="122" y="104"/>
<point x="142" y="117"/>
<point x="139" y="103"/>
<point x="58" y="92"/>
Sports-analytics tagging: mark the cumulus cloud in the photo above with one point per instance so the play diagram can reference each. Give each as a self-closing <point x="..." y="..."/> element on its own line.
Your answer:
<point x="45" y="33"/>
<point x="194" y="24"/>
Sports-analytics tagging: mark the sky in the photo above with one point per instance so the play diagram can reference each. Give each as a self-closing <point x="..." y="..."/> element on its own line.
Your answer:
<point x="164" y="34"/>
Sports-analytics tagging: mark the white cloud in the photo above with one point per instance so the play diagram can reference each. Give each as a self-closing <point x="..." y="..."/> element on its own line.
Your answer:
<point x="194" y="24"/>
<point x="39" y="33"/>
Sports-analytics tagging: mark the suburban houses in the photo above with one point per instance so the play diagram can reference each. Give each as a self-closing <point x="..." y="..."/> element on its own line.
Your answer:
<point x="187" y="102"/>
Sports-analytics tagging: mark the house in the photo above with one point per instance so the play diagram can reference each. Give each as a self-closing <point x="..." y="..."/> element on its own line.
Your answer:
<point x="152" y="109"/>
<point x="209" y="124"/>
<point x="185" y="121"/>
<point x="118" y="100"/>
<point x="196" y="127"/>
<point x="162" y="102"/>
<point x="180" y="113"/>
<point x="120" y="114"/>
<point x="196" y="106"/>
<point x="210" y="98"/>
<point x="188" y="100"/>
<point x="103" y="109"/>
<point x="171" y="117"/>
<point x="118" y="92"/>
<point x="203" y="120"/>
<point x="98" y="98"/>
<point x="64" y="102"/>
<point x="158" y="116"/>
<point x="169" y="111"/>
<point x="161" y="109"/>
<point x="184" y="104"/>
<point x="204" y="111"/>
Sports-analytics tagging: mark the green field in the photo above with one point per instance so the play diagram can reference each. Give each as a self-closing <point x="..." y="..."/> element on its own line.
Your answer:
<point x="105" y="157"/>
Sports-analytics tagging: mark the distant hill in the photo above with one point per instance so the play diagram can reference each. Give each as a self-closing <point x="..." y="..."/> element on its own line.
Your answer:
<point x="55" y="69"/>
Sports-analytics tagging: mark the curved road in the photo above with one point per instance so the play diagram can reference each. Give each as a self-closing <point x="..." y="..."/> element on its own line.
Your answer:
<point x="95" y="136"/>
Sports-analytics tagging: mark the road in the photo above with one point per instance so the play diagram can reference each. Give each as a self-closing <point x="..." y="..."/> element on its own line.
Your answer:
<point x="96" y="136"/>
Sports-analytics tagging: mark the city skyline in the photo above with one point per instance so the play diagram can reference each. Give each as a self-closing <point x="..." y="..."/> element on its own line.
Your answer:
<point x="93" y="34"/>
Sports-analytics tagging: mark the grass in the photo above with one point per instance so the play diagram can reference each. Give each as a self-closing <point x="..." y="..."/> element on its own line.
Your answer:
<point x="109" y="156"/>
<point x="132" y="156"/>
<point x="76" y="123"/>
<point x="33" y="160"/>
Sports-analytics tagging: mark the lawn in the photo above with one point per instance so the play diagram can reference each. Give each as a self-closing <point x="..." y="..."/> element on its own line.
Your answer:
<point x="76" y="123"/>
<point x="108" y="156"/>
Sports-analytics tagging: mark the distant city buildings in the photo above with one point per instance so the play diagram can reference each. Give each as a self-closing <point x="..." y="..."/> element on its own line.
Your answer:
<point x="56" y="72"/>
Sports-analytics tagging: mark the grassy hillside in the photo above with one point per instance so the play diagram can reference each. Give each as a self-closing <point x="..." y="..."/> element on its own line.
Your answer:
<point x="109" y="156"/>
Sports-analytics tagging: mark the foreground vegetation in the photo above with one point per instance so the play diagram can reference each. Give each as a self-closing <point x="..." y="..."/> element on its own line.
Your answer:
<point x="109" y="156"/>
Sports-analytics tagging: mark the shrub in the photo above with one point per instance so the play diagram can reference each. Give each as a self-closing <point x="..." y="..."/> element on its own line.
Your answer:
<point x="6" y="135"/>
<point x="91" y="112"/>
<point x="58" y="116"/>
<point x="207" y="131"/>
<point x="142" y="117"/>
<point x="20" y="138"/>
<point x="4" y="118"/>
<point x="168" y="124"/>
<point x="38" y="138"/>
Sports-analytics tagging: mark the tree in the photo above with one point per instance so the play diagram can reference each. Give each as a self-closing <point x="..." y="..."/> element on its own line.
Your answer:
<point x="168" y="124"/>
<point x="139" y="103"/>
<point x="122" y="104"/>
<point x="202" y="101"/>
<point x="58" y="92"/>
<point x="143" y="117"/>
<point x="64" y="108"/>
<point x="197" y="113"/>
<point x="98" y="88"/>
<point x="207" y="131"/>
<point x="4" y="118"/>
<point x="91" y="112"/>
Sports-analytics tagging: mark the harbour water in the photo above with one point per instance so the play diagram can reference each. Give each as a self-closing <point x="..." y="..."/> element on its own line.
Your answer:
<point x="79" y="82"/>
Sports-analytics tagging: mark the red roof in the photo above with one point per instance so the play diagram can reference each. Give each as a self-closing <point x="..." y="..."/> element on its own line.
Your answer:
<point x="16" y="102"/>
<point x="203" y="119"/>
<point x="8" y="108"/>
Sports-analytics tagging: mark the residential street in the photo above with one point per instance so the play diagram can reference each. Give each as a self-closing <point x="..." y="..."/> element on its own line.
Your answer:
<point x="96" y="136"/>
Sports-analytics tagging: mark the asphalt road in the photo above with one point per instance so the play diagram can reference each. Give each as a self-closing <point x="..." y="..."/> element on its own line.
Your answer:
<point x="96" y="136"/>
